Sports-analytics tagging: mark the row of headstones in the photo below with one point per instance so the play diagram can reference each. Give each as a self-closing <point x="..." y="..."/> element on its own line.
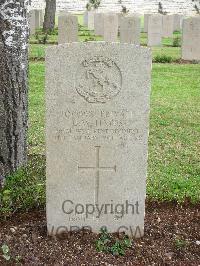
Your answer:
<point x="156" y="26"/>
<point x="108" y="24"/>
<point x="97" y="112"/>
<point x="36" y="19"/>
<point x="170" y="23"/>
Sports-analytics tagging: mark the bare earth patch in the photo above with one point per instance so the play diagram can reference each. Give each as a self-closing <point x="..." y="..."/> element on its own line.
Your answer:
<point x="172" y="237"/>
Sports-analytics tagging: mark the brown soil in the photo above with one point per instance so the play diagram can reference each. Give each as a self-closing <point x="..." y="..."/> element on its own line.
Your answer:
<point x="26" y="236"/>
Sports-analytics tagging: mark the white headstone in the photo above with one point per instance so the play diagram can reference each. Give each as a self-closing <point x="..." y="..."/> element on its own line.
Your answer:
<point x="85" y="18"/>
<point x="91" y="19"/>
<point x="37" y="18"/>
<point x="130" y="30"/>
<point x="41" y="17"/>
<point x="63" y="12"/>
<point x="98" y="23"/>
<point x="191" y="39"/>
<point x="178" y="19"/>
<point x="67" y="29"/>
<point x="146" y="21"/>
<point x="97" y="112"/>
<point x="110" y="27"/>
<point x="168" y="26"/>
<point x="155" y="30"/>
<point x="32" y="21"/>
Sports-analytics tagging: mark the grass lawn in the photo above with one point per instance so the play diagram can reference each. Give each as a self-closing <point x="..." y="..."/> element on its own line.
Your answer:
<point x="37" y="49"/>
<point x="174" y="165"/>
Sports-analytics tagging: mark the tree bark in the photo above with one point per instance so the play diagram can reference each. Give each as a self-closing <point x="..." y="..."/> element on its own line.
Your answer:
<point x="14" y="34"/>
<point x="49" y="18"/>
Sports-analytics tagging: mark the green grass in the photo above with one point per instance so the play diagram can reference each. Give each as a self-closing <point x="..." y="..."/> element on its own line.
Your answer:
<point x="174" y="167"/>
<point x="37" y="50"/>
<point x="173" y="52"/>
<point x="174" y="135"/>
<point x="36" y="109"/>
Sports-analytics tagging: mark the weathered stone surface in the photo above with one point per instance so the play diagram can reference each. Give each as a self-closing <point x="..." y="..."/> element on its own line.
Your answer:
<point x="110" y="27"/>
<point x="91" y="19"/>
<point x="32" y="21"/>
<point x="37" y="19"/>
<point x="98" y="23"/>
<point x="97" y="112"/>
<point x="146" y="21"/>
<point x="41" y="17"/>
<point x="191" y="39"/>
<point x="63" y="13"/>
<point x="168" y="26"/>
<point x="85" y="18"/>
<point x="178" y="19"/>
<point x="155" y="30"/>
<point x="67" y="29"/>
<point x="130" y="30"/>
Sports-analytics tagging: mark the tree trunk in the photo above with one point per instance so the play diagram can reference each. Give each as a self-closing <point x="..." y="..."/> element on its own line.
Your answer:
<point x="14" y="33"/>
<point x="49" y="18"/>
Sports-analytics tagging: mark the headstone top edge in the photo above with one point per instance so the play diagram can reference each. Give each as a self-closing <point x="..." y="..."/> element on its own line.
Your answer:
<point x="95" y="44"/>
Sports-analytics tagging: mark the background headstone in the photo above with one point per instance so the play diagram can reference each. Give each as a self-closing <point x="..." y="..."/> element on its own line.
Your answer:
<point x="97" y="112"/>
<point x="32" y="21"/>
<point x="37" y="18"/>
<point x="130" y="30"/>
<point x="110" y="27"/>
<point x="67" y="29"/>
<point x="98" y="24"/>
<point x="41" y="17"/>
<point x="91" y="19"/>
<point x="178" y="19"/>
<point x="191" y="39"/>
<point x="155" y="30"/>
<point x="146" y="21"/>
<point x="63" y="12"/>
<point x="168" y="26"/>
<point x="85" y="18"/>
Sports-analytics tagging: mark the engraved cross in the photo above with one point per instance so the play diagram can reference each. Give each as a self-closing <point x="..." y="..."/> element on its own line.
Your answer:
<point x="97" y="169"/>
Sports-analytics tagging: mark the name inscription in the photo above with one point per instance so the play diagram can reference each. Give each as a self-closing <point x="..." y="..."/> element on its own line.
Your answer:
<point x="99" y="124"/>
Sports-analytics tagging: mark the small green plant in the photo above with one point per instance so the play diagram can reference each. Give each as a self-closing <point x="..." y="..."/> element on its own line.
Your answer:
<point x="176" y="42"/>
<point x="160" y="9"/>
<point x="124" y="10"/>
<point x="88" y="7"/>
<point x="180" y="243"/>
<point x="93" y="4"/>
<point x="24" y="189"/>
<point x="6" y="252"/>
<point x="90" y="39"/>
<point x="106" y="243"/>
<point x="52" y="32"/>
<point x="162" y="59"/>
<point x="18" y="259"/>
<point x="41" y="38"/>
